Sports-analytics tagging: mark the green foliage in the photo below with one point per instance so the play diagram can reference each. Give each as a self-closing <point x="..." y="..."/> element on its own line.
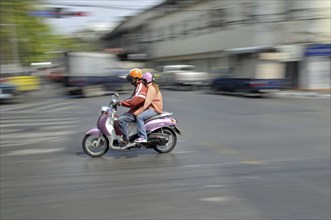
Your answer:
<point x="27" y="38"/>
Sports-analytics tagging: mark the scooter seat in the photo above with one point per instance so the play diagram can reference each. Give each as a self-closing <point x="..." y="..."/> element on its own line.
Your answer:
<point x="162" y="115"/>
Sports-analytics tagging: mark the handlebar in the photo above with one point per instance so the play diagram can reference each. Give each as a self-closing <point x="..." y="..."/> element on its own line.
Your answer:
<point x="114" y="105"/>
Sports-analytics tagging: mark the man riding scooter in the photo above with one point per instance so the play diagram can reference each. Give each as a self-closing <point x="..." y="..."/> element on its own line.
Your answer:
<point x="135" y="102"/>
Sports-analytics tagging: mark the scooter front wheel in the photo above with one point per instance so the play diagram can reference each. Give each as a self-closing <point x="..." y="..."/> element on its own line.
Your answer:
<point x="95" y="146"/>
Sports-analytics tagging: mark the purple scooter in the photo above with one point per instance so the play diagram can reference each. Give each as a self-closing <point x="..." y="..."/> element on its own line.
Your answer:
<point x="161" y="131"/>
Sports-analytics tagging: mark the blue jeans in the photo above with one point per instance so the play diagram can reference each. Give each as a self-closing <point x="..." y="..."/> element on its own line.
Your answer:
<point x="141" y="124"/>
<point x="124" y="120"/>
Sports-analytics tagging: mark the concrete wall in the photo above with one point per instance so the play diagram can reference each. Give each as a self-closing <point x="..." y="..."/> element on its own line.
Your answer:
<point x="315" y="74"/>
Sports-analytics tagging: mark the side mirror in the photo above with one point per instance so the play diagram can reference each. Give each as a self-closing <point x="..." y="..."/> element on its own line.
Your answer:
<point x="113" y="101"/>
<point x="114" y="98"/>
<point x="116" y="95"/>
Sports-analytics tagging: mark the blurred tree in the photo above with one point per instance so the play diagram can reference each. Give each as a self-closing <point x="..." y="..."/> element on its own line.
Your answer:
<point x="25" y="39"/>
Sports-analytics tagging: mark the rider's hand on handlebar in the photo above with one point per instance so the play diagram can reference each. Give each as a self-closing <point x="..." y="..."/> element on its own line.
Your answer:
<point x="115" y="104"/>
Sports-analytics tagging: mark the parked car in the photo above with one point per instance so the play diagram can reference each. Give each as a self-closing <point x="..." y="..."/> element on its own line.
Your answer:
<point x="8" y="91"/>
<point x="247" y="85"/>
<point x="178" y="76"/>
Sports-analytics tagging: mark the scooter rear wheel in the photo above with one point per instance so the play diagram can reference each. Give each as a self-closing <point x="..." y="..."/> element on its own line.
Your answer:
<point x="171" y="143"/>
<point x="94" y="147"/>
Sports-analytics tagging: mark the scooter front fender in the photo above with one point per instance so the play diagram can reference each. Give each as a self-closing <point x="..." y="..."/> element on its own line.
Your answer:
<point x="94" y="131"/>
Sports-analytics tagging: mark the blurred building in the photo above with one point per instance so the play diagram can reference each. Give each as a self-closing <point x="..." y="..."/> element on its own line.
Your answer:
<point x="219" y="35"/>
<point x="93" y="31"/>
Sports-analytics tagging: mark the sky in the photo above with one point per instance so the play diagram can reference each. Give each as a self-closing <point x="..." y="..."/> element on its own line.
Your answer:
<point x="109" y="12"/>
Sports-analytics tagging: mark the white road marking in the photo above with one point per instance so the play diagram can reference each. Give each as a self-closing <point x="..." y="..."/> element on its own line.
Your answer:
<point x="53" y="106"/>
<point x="194" y="165"/>
<point x="39" y="134"/>
<point x="216" y="199"/>
<point x="24" y="106"/>
<point x="4" y="131"/>
<point x="250" y="177"/>
<point x="32" y="151"/>
<point x="45" y="106"/>
<point x="34" y="141"/>
<point x="42" y="123"/>
<point x="55" y="127"/>
<point x="39" y="130"/>
<point x="184" y="152"/>
<point x="29" y="120"/>
<point x="213" y="186"/>
<point x="253" y="162"/>
<point x="179" y="141"/>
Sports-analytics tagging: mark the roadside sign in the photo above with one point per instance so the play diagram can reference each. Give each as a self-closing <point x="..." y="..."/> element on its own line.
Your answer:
<point x="42" y="13"/>
<point x="56" y="13"/>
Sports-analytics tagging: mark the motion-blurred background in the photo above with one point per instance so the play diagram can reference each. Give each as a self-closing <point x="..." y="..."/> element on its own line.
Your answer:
<point x="248" y="46"/>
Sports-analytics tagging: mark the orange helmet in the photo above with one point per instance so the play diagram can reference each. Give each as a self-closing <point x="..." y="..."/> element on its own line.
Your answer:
<point x="134" y="74"/>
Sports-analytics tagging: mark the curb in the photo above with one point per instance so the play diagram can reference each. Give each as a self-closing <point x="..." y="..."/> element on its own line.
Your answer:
<point x="304" y="94"/>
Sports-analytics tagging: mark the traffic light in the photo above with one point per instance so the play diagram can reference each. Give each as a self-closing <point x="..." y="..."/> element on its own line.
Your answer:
<point x="81" y="13"/>
<point x="63" y="13"/>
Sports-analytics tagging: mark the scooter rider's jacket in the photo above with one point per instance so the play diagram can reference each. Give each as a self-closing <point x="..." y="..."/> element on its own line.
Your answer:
<point x="137" y="99"/>
<point x="153" y="100"/>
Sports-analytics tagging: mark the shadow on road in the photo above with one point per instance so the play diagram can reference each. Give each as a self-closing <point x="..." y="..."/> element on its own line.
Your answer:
<point x="121" y="154"/>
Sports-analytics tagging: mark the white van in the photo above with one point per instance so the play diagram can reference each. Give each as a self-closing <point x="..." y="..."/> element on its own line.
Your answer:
<point x="180" y="75"/>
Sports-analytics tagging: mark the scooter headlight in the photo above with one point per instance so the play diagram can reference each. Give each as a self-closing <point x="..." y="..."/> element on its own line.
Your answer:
<point x="104" y="109"/>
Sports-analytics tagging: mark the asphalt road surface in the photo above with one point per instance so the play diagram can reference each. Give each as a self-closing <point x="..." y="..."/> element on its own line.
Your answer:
<point x="238" y="158"/>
